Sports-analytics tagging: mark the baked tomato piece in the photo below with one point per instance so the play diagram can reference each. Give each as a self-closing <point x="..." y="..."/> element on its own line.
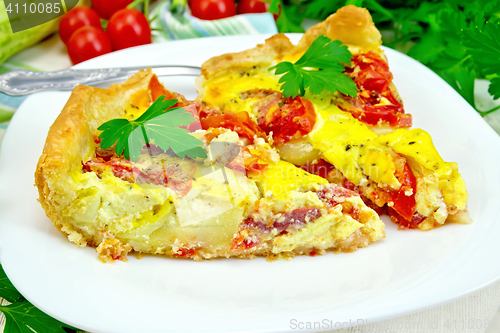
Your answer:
<point x="403" y="209"/>
<point x="287" y="118"/>
<point x="404" y="199"/>
<point x="388" y="114"/>
<point x="376" y="102"/>
<point x="156" y="89"/>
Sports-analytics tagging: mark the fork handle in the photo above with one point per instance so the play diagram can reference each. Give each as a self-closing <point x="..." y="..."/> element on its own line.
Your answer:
<point x="23" y="82"/>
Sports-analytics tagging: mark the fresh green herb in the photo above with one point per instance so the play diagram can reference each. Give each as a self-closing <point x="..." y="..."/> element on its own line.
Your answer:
<point x="23" y="317"/>
<point x="7" y="290"/>
<point x="289" y="17"/>
<point x="483" y="45"/>
<point x="160" y="124"/>
<point x="318" y="69"/>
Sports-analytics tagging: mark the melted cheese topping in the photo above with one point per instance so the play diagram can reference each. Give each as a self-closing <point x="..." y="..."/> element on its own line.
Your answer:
<point x="117" y="206"/>
<point x="224" y="90"/>
<point x="417" y="144"/>
<point x="349" y="145"/>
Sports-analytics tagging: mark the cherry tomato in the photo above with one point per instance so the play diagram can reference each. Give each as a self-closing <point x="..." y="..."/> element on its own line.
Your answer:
<point x="76" y="18"/>
<point x="128" y="27"/>
<point x="106" y="8"/>
<point x="373" y="82"/>
<point x="86" y="43"/>
<point x="212" y="9"/>
<point x="251" y="6"/>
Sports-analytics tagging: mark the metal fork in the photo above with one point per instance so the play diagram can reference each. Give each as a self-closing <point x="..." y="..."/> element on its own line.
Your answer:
<point x="23" y="82"/>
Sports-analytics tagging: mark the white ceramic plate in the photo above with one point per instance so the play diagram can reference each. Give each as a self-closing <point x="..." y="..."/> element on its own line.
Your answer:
<point x="408" y="271"/>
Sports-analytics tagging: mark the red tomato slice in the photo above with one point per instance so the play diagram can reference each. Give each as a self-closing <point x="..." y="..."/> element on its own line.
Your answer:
<point x="385" y="114"/>
<point x="405" y="205"/>
<point x="286" y="118"/>
<point x="293" y="120"/>
<point x="372" y="77"/>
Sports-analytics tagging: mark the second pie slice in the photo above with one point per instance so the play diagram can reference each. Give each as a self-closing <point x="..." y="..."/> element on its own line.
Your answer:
<point x="357" y="135"/>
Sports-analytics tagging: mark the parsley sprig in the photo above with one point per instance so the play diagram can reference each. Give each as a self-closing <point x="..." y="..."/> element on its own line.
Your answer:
<point x="483" y="45"/>
<point x="160" y="125"/>
<point x="319" y="69"/>
<point x="23" y="317"/>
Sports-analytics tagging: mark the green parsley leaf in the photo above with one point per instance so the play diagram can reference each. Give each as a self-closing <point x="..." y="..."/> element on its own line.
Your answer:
<point x="178" y="139"/>
<point x="158" y="124"/>
<point x="483" y="46"/>
<point x="26" y="318"/>
<point x="289" y="18"/>
<point x="318" y="69"/>
<point x="462" y="79"/>
<point x="429" y="49"/>
<point x="321" y="9"/>
<point x="494" y="88"/>
<point x="7" y="290"/>
<point x="293" y="81"/>
<point x="23" y="317"/>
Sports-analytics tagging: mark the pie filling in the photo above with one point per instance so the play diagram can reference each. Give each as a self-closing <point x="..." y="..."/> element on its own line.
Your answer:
<point x="362" y="143"/>
<point x="241" y="199"/>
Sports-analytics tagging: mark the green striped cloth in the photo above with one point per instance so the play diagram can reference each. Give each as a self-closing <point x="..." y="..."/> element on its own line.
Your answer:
<point x="183" y="25"/>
